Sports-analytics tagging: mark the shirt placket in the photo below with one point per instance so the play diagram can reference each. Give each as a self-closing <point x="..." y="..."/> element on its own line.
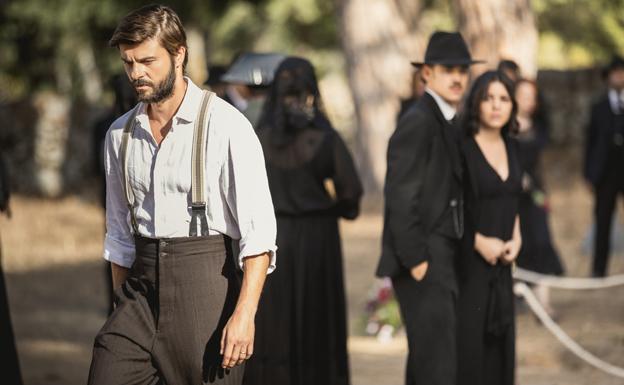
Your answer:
<point x="159" y="180"/>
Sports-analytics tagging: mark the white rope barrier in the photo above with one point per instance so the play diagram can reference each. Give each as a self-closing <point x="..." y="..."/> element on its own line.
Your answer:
<point x="568" y="282"/>
<point x="521" y="289"/>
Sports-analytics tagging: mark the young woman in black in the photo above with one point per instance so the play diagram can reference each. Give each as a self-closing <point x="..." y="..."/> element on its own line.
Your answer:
<point x="486" y="331"/>
<point x="301" y="332"/>
<point x="538" y="252"/>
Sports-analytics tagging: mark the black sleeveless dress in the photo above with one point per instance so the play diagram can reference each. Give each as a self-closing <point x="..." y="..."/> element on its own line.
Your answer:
<point x="486" y="330"/>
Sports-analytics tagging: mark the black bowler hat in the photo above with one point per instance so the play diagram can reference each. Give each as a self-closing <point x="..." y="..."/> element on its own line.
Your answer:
<point x="616" y="63"/>
<point x="447" y="49"/>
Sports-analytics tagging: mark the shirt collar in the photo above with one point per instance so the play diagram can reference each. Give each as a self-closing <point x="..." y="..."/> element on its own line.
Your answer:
<point x="615" y="100"/>
<point x="190" y="103"/>
<point x="448" y="111"/>
<point x="187" y="112"/>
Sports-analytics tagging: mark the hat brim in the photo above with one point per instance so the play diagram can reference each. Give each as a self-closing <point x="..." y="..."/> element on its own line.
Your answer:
<point x="467" y="62"/>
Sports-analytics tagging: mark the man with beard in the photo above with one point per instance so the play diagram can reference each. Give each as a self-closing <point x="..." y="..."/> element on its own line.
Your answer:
<point x="187" y="207"/>
<point x="423" y="213"/>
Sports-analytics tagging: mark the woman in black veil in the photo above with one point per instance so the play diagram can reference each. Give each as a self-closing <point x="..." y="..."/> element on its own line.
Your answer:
<point x="301" y="323"/>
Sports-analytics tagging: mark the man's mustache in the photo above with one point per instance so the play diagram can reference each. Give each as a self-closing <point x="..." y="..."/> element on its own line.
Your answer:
<point x="141" y="82"/>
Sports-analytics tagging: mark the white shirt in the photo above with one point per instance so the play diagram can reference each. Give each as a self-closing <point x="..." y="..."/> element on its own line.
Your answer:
<point x="448" y="111"/>
<point x="615" y="100"/>
<point x="237" y="190"/>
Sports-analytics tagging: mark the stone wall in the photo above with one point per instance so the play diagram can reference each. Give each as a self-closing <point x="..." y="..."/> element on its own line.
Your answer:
<point x="568" y="96"/>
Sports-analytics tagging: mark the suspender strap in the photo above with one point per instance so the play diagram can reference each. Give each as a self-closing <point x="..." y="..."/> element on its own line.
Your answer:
<point x="199" y="218"/>
<point x="123" y="156"/>
<point x="198" y="167"/>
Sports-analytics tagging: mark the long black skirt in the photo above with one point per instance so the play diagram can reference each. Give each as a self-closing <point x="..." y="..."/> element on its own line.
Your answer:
<point x="486" y="326"/>
<point x="301" y="327"/>
<point x="538" y="253"/>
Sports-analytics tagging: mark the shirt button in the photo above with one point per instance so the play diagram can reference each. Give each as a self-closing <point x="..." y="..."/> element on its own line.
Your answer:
<point x="453" y="203"/>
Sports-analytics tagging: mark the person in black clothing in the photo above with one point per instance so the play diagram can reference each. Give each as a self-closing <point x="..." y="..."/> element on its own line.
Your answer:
<point x="604" y="157"/>
<point x="9" y="364"/>
<point x="538" y="253"/>
<point x="301" y="334"/>
<point x="214" y="82"/>
<point x="423" y="217"/>
<point x="492" y="241"/>
<point x="512" y="70"/>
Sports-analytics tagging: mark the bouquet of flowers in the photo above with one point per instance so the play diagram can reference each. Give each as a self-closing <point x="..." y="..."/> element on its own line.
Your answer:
<point x="382" y="315"/>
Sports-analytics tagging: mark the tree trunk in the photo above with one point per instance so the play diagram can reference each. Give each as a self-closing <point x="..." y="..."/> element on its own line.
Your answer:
<point x="90" y="74"/>
<point x="196" y="68"/>
<point x="379" y="38"/>
<point x="51" y="132"/>
<point x="497" y="30"/>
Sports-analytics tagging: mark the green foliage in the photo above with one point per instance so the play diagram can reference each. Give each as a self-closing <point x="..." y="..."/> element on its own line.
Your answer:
<point x="303" y="27"/>
<point x="39" y="38"/>
<point x="575" y="33"/>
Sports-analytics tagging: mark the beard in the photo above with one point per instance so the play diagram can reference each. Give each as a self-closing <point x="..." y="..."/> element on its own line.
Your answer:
<point x="161" y="91"/>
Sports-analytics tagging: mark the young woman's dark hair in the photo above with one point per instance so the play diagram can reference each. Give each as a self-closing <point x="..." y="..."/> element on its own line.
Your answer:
<point x="478" y="93"/>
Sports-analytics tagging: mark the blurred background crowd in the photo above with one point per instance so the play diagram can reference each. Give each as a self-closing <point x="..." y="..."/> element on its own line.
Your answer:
<point x="61" y="86"/>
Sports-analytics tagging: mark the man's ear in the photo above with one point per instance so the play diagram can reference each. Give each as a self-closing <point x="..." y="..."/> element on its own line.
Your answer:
<point x="180" y="56"/>
<point x="426" y="72"/>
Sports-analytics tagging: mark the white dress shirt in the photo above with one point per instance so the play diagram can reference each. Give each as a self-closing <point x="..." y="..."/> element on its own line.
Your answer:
<point x="616" y="99"/>
<point x="238" y="199"/>
<point x="448" y="111"/>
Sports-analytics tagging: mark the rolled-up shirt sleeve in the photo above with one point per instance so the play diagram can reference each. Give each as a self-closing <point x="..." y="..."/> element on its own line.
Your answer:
<point x="119" y="241"/>
<point x="248" y="197"/>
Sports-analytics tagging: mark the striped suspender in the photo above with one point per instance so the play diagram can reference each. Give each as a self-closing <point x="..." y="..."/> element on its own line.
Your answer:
<point x="198" y="166"/>
<point x="123" y="155"/>
<point x="198" y="198"/>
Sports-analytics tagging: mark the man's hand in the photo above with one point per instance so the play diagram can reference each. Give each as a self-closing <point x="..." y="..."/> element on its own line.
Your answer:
<point x="119" y="274"/>
<point x="237" y="342"/>
<point x="419" y="271"/>
<point x="238" y="335"/>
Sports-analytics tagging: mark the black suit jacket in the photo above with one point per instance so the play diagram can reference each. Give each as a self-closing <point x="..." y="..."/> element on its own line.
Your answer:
<point x="599" y="140"/>
<point x="424" y="178"/>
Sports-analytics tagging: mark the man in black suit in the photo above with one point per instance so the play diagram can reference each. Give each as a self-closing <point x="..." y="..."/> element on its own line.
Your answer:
<point x="604" y="158"/>
<point x="423" y="213"/>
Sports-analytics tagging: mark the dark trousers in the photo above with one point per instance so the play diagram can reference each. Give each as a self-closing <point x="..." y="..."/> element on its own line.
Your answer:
<point x="606" y="194"/>
<point x="428" y="309"/>
<point x="169" y="316"/>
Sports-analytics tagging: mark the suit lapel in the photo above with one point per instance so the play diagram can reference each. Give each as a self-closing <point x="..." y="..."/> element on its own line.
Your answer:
<point x="449" y="134"/>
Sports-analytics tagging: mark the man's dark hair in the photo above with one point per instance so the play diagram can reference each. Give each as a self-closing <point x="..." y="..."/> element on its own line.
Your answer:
<point x="149" y="22"/>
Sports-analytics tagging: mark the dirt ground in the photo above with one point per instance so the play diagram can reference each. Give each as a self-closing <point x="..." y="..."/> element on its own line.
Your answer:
<point x="55" y="277"/>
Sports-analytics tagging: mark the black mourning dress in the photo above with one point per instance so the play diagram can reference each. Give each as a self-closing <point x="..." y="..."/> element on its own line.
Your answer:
<point x="301" y="322"/>
<point x="486" y="331"/>
<point x="301" y="326"/>
<point x="537" y="253"/>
